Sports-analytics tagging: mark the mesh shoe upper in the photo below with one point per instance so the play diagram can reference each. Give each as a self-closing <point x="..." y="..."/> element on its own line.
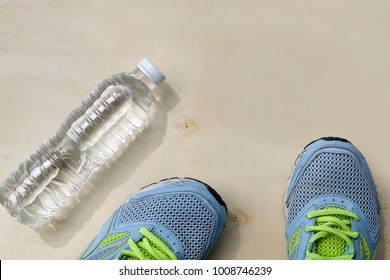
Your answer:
<point x="332" y="173"/>
<point x="183" y="213"/>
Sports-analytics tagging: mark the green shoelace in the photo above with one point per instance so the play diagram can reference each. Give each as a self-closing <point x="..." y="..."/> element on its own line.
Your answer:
<point x="332" y="226"/>
<point x="150" y="247"/>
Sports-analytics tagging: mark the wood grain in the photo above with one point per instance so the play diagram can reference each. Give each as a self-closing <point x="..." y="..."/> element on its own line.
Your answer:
<point x="249" y="84"/>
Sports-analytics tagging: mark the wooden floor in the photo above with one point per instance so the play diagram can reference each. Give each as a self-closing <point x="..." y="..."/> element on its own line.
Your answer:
<point x="249" y="84"/>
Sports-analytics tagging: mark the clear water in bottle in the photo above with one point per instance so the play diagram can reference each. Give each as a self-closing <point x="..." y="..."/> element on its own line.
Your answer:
<point x="99" y="129"/>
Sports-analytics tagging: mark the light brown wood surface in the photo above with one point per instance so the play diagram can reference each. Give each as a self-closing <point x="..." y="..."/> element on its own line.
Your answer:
<point x="249" y="84"/>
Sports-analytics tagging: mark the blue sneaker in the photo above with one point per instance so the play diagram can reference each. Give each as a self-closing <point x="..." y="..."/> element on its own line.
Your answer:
<point x="172" y="219"/>
<point x="331" y="204"/>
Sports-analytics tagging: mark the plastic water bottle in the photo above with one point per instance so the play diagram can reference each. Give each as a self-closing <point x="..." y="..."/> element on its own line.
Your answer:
<point x="99" y="129"/>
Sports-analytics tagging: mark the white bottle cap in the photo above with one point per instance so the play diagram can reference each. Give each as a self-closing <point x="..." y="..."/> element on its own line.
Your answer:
<point x="151" y="71"/>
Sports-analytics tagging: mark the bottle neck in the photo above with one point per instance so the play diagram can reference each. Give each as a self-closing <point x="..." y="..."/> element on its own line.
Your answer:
<point x="145" y="79"/>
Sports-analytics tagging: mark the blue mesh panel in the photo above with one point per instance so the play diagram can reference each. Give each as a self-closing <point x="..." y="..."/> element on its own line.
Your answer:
<point x="335" y="174"/>
<point x="185" y="215"/>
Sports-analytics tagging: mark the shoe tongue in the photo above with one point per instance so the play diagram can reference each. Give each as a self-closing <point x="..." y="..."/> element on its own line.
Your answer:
<point x="332" y="245"/>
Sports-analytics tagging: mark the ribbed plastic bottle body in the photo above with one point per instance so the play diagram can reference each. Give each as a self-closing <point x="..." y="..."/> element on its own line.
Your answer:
<point x="105" y="123"/>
